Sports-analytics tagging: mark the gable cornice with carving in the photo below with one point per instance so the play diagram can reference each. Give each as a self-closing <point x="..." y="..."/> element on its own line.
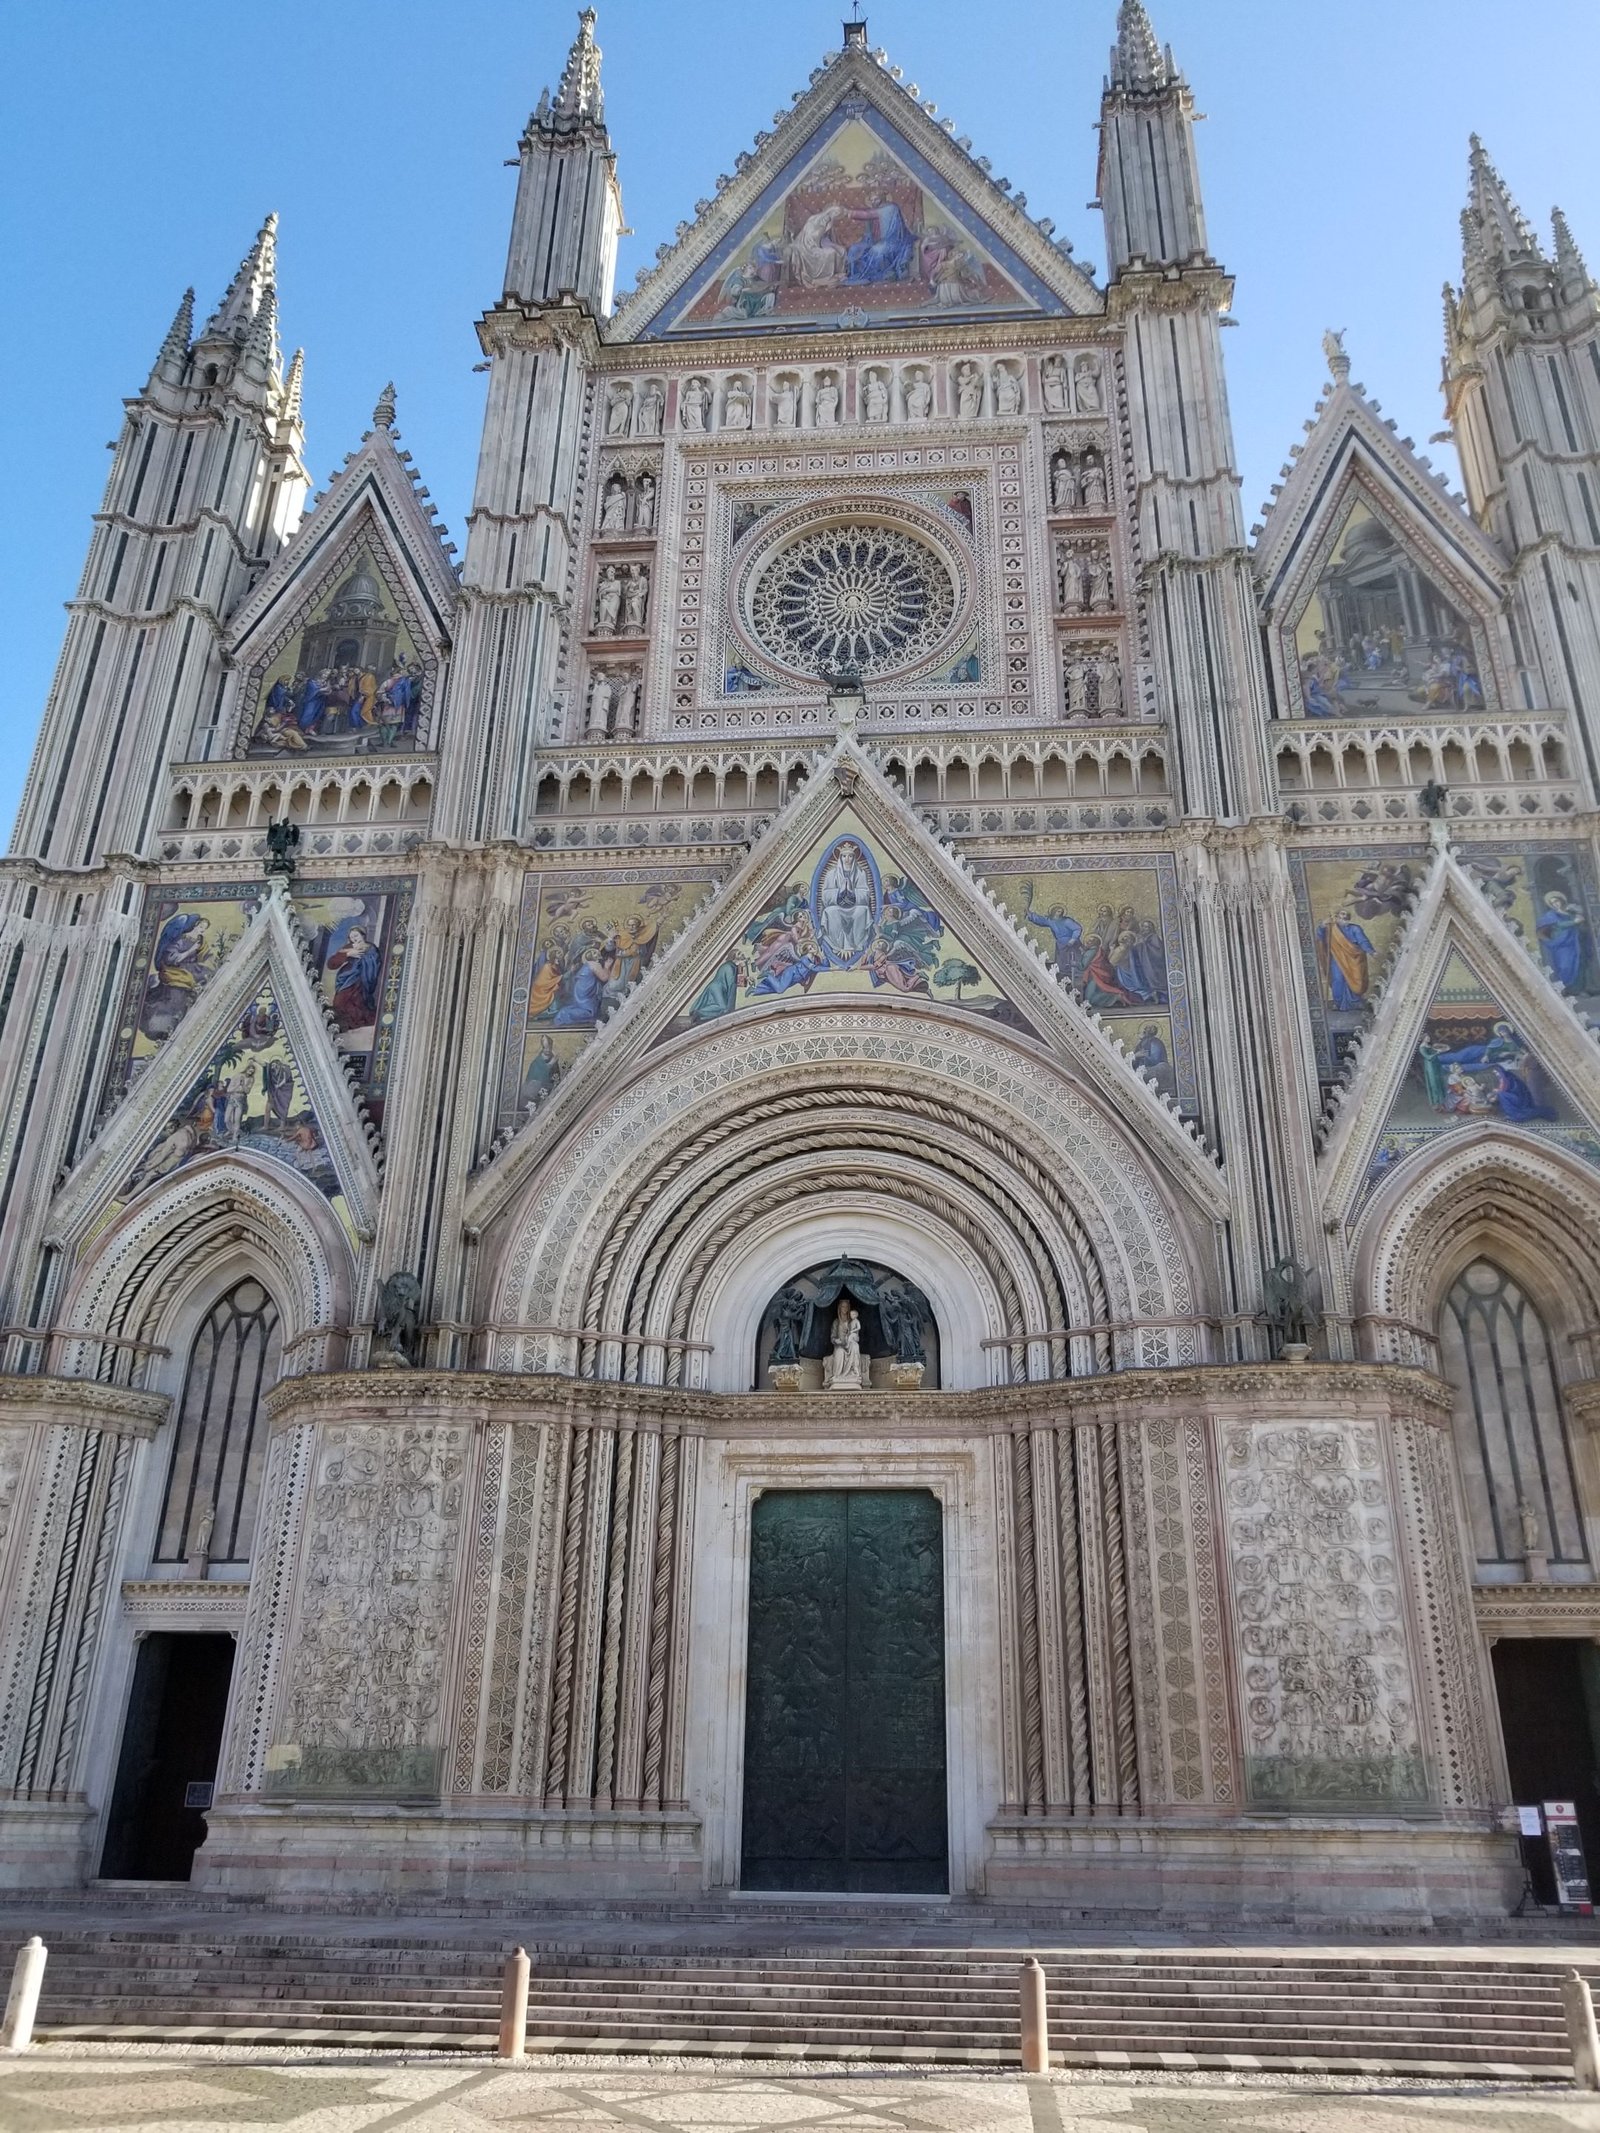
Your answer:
<point x="842" y="74"/>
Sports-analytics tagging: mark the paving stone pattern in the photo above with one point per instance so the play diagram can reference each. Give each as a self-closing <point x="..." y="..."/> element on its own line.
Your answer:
<point x="127" y="2090"/>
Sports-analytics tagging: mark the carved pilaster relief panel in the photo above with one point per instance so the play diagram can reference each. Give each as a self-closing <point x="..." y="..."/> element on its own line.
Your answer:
<point x="524" y="1561"/>
<point x="1455" y="1698"/>
<point x="1184" y="1704"/>
<point x="259" y="1664"/>
<point x="1330" y="1707"/>
<point x="479" y="1604"/>
<point x="365" y="1703"/>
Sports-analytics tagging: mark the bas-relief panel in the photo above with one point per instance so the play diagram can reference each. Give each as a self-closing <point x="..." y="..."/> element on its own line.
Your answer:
<point x="250" y="1099"/>
<point x="356" y="931"/>
<point x="584" y="939"/>
<point x="1329" y="1703"/>
<point x="349" y="681"/>
<point x="849" y="921"/>
<point x="363" y="1710"/>
<point x="861" y="231"/>
<point x="1112" y="932"/>
<point x="1472" y="1063"/>
<point x="1377" y="636"/>
<point x="1350" y="907"/>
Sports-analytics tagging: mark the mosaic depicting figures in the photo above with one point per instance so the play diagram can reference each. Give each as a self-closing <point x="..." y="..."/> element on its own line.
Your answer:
<point x="1350" y="908"/>
<point x="1110" y="935"/>
<point x="349" y="682"/>
<point x="848" y="923"/>
<point x="1378" y="637"/>
<point x="584" y="941"/>
<point x="1472" y="1063"/>
<point x="249" y="1100"/>
<point x="857" y="230"/>
<point x="355" y="932"/>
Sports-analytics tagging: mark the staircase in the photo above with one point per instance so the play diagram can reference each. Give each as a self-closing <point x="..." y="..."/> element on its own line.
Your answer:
<point x="1425" y="2012"/>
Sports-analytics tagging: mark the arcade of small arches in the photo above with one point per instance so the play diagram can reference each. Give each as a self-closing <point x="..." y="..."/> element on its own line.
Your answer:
<point x="1527" y="755"/>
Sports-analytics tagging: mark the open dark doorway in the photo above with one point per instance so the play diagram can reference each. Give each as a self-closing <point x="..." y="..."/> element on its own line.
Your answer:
<point x="1549" y="1694"/>
<point x="170" y="1746"/>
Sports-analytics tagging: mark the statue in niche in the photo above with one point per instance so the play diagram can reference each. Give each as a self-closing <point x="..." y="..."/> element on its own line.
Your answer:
<point x="1007" y="390"/>
<point x="789" y="1315"/>
<point x="901" y="1314"/>
<point x="601" y="698"/>
<point x="1086" y="383"/>
<point x="969" y="392"/>
<point x="614" y="508"/>
<point x="1108" y="684"/>
<point x="1528" y="1527"/>
<point x="695" y="404"/>
<point x="919" y="396"/>
<point x="1288" y="1309"/>
<point x="635" y="597"/>
<point x="1053" y="384"/>
<point x="199" y="1564"/>
<point x="398" y="1324"/>
<point x="1103" y="582"/>
<point x="875" y="398"/>
<point x="845" y="1369"/>
<point x="1063" y="485"/>
<point x="627" y="718"/>
<point x="1094" y="483"/>
<point x="619" y="409"/>
<point x="644" y="504"/>
<point x="826" y="405"/>
<point x="785" y="403"/>
<point x="651" y="408"/>
<point x="608" y="601"/>
<point x="736" y="405"/>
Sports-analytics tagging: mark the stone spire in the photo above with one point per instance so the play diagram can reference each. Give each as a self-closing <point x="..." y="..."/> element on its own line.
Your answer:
<point x="1572" y="274"/>
<point x="1494" y="228"/>
<point x="294" y="386"/>
<point x="579" y="99"/>
<point x="1137" y="59"/>
<point x="250" y="287"/>
<point x="173" y="353"/>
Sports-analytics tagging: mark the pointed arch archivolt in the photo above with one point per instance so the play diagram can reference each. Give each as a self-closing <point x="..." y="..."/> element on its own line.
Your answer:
<point x="612" y="1259"/>
<point x="1530" y="1208"/>
<point x="167" y="1254"/>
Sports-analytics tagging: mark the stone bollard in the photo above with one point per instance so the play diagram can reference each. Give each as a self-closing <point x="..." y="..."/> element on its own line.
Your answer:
<point x="1035" y="2020"/>
<point x="1577" y="2004"/>
<point x="22" y="2004"/>
<point x="514" y="2006"/>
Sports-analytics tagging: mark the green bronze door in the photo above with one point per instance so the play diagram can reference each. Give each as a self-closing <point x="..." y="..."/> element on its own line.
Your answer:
<point x="844" y="1784"/>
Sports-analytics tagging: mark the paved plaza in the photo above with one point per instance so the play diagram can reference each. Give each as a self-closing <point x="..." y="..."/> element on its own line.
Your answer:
<point x="160" y="2090"/>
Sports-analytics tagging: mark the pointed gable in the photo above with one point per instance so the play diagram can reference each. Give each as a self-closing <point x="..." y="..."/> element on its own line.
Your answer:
<point x="859" y="209"/>
<point x="845" y="895"/>
<point x="253" y="1070"/>
<point x="339" y="646"/>
<point x="1380" y="593"/>
<point x="1467" y="1032"/>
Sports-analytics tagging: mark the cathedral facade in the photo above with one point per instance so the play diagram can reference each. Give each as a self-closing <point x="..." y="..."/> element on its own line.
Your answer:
<point x="872" y="1162"/>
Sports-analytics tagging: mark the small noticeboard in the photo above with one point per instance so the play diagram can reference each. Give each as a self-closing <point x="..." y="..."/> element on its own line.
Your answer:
<point x="1566" y="1855"/>
<point x="1530" y="1823"/>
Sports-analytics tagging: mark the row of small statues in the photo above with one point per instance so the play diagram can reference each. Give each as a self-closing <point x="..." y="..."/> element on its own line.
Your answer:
<point x="1086" y="584"/>
<point x="622" y="600"/>
<point x="614" y="699"/>
<point x="974" y="392"/>
<point x="1078" y="481"/>
<point x="628" y="507"/>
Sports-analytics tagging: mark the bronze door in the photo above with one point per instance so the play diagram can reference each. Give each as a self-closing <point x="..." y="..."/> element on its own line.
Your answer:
<point x="844" y="1758"/>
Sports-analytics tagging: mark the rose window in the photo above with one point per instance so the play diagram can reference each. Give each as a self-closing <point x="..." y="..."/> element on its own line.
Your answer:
<point x="864" y="598"/>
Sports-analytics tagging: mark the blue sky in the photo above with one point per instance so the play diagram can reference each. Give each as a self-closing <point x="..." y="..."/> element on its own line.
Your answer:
<point x="141" y="147"/>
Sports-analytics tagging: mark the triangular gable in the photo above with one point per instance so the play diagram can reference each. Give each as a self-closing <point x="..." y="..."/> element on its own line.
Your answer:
<point x="1380" y="593"/>
<point x="1468" y="1031"/>
<point x="899" y="921"/>
<point x="859" y="209"/>
<point x="251" y="1071"/>
<point x="365" y="586"/>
